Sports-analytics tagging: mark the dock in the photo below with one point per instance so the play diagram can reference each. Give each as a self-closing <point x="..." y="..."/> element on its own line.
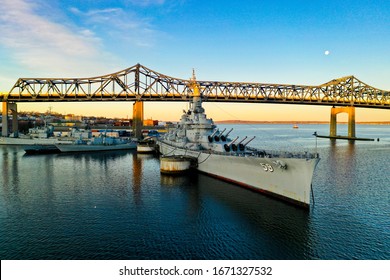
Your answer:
<point x="346" y="138"/>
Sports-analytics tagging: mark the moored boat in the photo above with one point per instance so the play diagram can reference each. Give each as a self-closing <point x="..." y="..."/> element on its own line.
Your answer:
<point x="41" y="149"/>
<point x="101" y="143"/>
<point x="146" y="145"/>
<point x="36" y="136"/>
<point x="286" y="175"/>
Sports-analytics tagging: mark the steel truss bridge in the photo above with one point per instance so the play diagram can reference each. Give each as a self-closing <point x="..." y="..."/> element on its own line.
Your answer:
<point x="139" y="83"/>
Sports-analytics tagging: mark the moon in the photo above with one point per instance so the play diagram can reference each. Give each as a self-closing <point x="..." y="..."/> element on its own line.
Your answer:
<point x="327" y="52"/>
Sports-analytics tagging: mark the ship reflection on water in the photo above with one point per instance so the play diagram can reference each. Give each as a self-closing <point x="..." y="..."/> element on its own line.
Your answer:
<point x="343" y="163"/>
<point x="248" y="223"/>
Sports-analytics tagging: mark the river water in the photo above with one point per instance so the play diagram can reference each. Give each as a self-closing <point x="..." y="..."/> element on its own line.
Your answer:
<point x="117" y="205"/>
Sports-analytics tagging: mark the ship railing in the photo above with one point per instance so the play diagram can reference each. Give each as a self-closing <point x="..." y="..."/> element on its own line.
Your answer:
<point x="253" y="152"/>
<point x="281" y="154"/>
<point x="268" y="154"/>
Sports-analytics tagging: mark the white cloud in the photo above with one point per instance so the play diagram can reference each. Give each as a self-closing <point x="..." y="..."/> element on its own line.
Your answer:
<point x="120" y="25"/>
<point x="45" y="46"/>
<point x="41" y="39"/>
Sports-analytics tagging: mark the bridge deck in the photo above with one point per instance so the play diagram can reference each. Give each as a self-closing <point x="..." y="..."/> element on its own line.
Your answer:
<point x="139" y="83"/>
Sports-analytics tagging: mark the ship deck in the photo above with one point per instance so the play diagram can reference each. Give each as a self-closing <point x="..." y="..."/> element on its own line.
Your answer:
<point x="250" y="152"/>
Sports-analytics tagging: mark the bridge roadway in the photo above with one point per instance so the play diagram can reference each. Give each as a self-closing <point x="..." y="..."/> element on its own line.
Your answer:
<point x="139" y="83"/>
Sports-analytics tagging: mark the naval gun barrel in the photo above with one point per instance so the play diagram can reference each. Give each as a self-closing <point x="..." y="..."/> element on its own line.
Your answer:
<point x="241" y="146"/>
<point x="217" y="137"/>
<point x="224" y="137"/>
<point x="227" y="146"/>
<point x="222" y="132"/>
<point x="234" y="140"/>
<point x="210" y="137"/>
<point x="242" y="140"/>
<point x="249" y="140"/>
<point x="215" y="132"/>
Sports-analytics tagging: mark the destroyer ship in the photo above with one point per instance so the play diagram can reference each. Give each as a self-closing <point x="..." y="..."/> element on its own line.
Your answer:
<point x="283" y="174"/>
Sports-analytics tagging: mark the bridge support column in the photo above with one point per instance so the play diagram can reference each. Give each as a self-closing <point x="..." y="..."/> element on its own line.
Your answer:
<point x="15" y="127"/>
<point x="351" y="121"/>
<point x="138" y="118"/>
<point x="4" y="130"/>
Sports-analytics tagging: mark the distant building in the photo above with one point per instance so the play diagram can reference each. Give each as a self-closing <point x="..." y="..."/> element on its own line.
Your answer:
<point x="122" y="123"/>
<point x="73" y="118"/>
<point x="150" y="122"/>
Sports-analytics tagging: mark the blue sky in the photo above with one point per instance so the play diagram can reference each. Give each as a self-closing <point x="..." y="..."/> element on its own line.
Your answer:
<point x="257" y="41"/>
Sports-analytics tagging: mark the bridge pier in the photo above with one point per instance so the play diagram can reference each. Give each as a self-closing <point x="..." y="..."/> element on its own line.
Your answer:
<point x="5" y="108"/>
<point x="138" y="118"/>
<point x="351" y="121"/>
<point x="4" y="130"/>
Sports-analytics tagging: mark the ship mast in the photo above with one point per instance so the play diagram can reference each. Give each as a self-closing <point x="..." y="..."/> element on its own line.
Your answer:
<point x="196" y="95"/>
<point x="194" y="85"/>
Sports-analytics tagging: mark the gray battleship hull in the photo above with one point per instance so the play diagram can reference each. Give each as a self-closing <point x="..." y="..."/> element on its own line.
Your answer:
<point x="291" y="182"/>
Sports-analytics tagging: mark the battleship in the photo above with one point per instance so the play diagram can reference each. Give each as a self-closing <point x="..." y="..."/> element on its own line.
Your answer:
<point x="282" y="174"/>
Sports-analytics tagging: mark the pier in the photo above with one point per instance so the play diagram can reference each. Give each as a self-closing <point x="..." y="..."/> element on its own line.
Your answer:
<point x="345" y="138"/>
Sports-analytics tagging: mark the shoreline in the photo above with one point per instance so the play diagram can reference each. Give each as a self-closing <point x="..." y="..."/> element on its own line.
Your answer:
<point x="297" y="122"/>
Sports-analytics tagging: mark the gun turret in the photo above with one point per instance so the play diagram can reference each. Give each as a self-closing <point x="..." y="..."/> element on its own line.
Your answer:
<point x="241" y="147"/>
<point x="210" y="137"/>
<point x="217" y="137"/>
<point x="227" y="146"/>
<point x="234" y="146"/>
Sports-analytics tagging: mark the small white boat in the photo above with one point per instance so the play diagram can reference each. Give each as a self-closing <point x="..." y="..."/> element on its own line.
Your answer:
<point x="146" y="146"/>
<point x="101" y="143"/>
<point x="36" y="136"/>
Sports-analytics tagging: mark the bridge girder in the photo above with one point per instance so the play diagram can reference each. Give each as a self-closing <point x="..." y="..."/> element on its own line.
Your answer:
<point x="139" y="83"/>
